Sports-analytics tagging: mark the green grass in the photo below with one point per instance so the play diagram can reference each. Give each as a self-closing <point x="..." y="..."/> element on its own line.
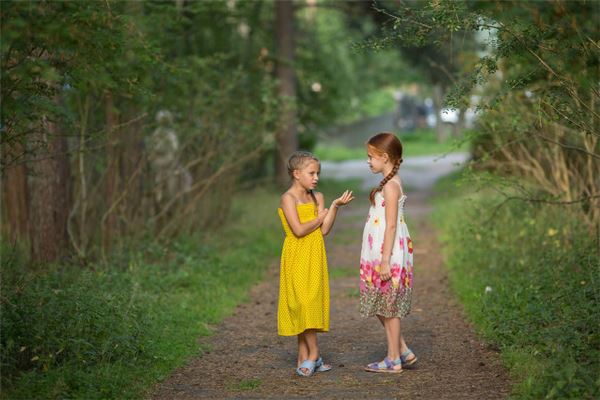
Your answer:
<point x="112" y="331"/>
<point x="342" y="272"/>
<point x="420" y="143"/>
<point x="247" y="384"/>
<point x="541" y="268"/>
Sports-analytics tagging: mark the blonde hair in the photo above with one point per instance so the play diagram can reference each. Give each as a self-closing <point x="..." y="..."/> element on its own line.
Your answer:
<point x="386" y="143"/>
<point x="297" y="161"/>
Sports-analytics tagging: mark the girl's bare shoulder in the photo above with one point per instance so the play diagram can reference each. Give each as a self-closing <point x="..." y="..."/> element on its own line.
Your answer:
<point x="392" y="189"/>
<point x="287" y="198"/>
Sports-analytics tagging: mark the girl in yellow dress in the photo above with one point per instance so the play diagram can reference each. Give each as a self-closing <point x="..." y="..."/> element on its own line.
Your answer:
<point x="304" y="283"/>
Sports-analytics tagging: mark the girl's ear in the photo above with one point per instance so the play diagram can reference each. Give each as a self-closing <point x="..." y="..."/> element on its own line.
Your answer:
<point x="386" y="157"/>
<point x="295" y="174"/>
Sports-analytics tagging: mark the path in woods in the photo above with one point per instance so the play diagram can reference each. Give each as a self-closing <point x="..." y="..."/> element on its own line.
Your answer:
<point x="248" y="360"/>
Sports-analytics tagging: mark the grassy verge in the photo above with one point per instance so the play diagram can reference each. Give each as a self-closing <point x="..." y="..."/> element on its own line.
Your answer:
<point x="529" y="277"/>
<point x="419" y="143"/>
<point x="113" y="331"/>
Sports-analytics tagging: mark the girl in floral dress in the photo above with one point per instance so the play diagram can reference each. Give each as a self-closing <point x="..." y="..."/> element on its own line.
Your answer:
<point x="386" y="261"/>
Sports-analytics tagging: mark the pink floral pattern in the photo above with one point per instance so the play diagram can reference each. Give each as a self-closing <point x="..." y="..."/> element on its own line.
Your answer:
<point x="392" y="297"/>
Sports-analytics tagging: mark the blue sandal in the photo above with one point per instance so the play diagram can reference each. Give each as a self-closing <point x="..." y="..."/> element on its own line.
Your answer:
<point x="320" y="367"/>
<point x="306" y="364"/>
<point x="386" y="366"/>
<point x="406" y="354"/>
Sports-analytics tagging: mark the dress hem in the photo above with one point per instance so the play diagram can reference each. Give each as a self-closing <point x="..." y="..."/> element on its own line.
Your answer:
<point x="319" y="330"/>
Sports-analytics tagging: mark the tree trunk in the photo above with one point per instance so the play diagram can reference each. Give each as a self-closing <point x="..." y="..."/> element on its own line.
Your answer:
<point x="15" y="195"/>
<point x="50" y="195"/>
<point x="286" y="136"/>
<point x="132" y="163"/>
<point x="111" y="188"/>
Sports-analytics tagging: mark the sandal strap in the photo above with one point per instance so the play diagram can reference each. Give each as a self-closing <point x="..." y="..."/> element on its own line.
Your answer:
<point x="388" y="363"/>
<point x="405" y="355"/>
<point x="320" y="366"/>
<point x="306" y="364"/>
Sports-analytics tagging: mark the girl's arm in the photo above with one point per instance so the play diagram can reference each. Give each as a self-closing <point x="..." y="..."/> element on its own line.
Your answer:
<point x="391" y="194"/>
<point x="330" y="218"/>
<point x="288" y="205"/>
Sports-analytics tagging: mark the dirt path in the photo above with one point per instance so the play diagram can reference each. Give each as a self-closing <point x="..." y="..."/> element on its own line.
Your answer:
<point x="248" y="359"/>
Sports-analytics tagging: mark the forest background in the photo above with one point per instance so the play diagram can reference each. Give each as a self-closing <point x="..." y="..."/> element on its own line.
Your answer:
<point x="136" y="136"/>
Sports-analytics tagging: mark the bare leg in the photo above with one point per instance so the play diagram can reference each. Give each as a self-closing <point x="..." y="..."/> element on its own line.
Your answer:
<point x="302" y="348"/>
<point x="312" y="345"/>
<point x="309" y="338"/>
<point x="402" y="343"/>
<point x="392" y="331"/>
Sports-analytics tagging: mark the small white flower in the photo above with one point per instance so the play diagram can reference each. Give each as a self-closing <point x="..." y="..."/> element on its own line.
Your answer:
<point x="488" y="289"/>
<point x="316" y="87"/>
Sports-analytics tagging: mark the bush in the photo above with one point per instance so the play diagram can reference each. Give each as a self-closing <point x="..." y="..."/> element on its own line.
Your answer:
<point x="111" y="331"/>
<point x="68" y="315"/>
<point x="528" y="276"/>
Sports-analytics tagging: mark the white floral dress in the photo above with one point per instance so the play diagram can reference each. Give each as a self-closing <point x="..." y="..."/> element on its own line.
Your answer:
<point x="391" y="298"/>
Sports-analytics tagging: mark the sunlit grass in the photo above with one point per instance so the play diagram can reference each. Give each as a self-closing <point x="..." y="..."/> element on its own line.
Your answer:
<point x="420" y="143"/>
<point x="247" y="384"/>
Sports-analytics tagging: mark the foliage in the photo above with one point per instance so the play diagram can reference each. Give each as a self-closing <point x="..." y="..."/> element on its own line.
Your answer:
<point x="41" y="60"/>
<point x="538" y="82"/>
<point x="528" y="277"/>
<point x="104" y="79"/>
<point x="347" y="80"/>
<point x="111" y="331"/>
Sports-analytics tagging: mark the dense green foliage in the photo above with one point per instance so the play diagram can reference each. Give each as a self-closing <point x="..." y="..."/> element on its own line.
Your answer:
<point x="529" y="279"/>
<point x="536" y="88"/>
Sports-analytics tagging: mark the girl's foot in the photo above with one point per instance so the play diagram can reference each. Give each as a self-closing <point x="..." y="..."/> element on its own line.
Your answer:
<point x="387" y="366"/>
<point x="306" y="369"/>
<point x="321" y="367"/>
<point x="408" y="357"/>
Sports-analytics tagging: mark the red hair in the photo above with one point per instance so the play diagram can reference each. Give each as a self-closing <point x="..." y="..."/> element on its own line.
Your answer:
<point x="386" y="143"/>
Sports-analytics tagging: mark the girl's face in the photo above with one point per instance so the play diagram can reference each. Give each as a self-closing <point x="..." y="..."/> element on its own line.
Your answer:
<point x="308" y="175"/>
<point x="376" y="160"/>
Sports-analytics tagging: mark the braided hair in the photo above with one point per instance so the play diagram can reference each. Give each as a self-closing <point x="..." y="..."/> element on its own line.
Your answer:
<point x="386" y="143"/>
<point x="296" y="162"/>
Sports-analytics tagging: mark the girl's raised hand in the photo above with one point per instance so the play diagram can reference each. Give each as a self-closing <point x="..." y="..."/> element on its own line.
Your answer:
<point x="344" y="199"/>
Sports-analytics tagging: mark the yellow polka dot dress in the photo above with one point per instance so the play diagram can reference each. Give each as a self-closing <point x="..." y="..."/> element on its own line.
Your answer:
<point x="303" y="280"/>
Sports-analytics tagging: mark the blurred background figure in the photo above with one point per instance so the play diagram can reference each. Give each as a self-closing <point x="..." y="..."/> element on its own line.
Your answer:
<point x="170" y="176"/>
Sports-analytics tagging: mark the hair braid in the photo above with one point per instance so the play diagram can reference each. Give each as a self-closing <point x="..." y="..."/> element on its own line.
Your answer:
<point x="385" y="180"/>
